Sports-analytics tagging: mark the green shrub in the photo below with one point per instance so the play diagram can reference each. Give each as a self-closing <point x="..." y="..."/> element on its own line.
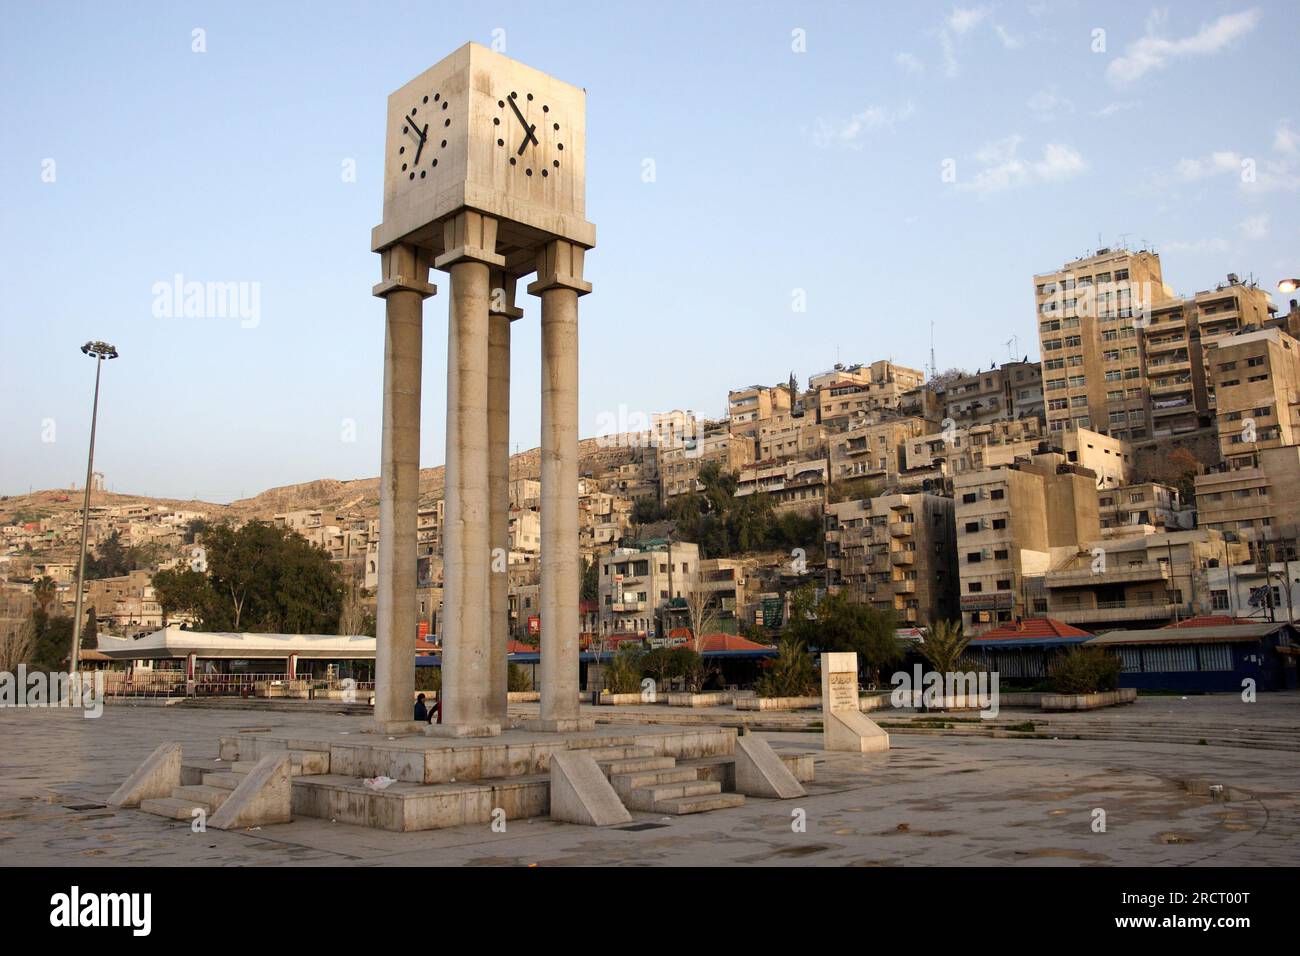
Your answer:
<point x="789" y="674"/>
<point x="518" y="679"/>
<point x="1084" y="670"/>
<point x="428" y="678"/>
<point x="623" y="672"/>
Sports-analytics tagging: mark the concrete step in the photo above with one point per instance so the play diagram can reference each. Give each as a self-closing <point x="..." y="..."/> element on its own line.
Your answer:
<point x="174" y="807"/>
<point x="600" y="754"/>
<point x="302" y="763"/>
<point x="651" y="798"/>
<point x="623" y="782"/>
<point x="222" y="779"/>
<point x="700" y="803"/>
<point x="635" y="764"/>
<point x="212" y="797"/>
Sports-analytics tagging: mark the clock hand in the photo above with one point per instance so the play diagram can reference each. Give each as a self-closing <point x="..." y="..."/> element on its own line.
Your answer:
<point x="418" y="150"/>
<point x="419" y="132"/>
<point x="529" y="133"/>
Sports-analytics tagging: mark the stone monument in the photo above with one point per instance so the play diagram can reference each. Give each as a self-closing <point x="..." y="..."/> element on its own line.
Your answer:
<point x="844" y="727"/>
<point x="483" y="179"/>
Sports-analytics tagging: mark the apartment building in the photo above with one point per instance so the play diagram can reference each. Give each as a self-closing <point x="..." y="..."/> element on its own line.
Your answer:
<point x="638" y="584"/>
<point x="791" y="436"/>
<point x="747" y="407"/>
<point x="1256" y="503"/>
<point x="1139" y="581"/>
<point x="896" y="552"/>
<point x="1013" y="390"/>
<point x="1256" y="383"/>
<point x="1108" y="457"/>
<point x="525" y="531"/>
<point x="876" y="451"/>
<point x="1015" y="522"/>
<point x="679" y="468"/>
<point x="959" y="450"/>
<point x="1179" y="343"/>
<point x="1141" y="509"/>
<point x="1088" y="314"/>
<point x="866" y="394"/>
<point x="792" y="486"/>
<point x="526" y="493"/>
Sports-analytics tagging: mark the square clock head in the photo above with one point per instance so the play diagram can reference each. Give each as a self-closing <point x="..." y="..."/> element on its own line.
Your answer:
<point x="485" y="132"/>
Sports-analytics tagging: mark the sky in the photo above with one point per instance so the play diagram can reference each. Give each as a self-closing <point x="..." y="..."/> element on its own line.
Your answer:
<point x="776" y="187"/>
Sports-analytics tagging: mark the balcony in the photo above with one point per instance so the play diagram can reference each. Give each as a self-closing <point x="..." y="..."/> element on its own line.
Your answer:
<point x="1165" y="386"/>
<point x="1155" y="346"/>
<point x="1172" y="407"/>
<point x="902" y="557"/>
<point x="1058" y="580"/>
<point x="901" y="529"/>
<point x="1178" y="363"/>
<point x="1111" y="612"/>
<point x="904" y="587"/>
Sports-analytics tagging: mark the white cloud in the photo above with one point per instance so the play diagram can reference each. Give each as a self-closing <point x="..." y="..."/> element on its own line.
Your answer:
<point x="964" y="19"/>
<point x="1008" y="41"/>
<point x="1217" y="163"/>
<point x="1110" y="109"/>
<point x="1153" y="52"/>
<point x="1254" y="227"/>
<point x="1286" y="140"/>
<point x="1048" y="104"/>
<point x="1003" y="168"/>
<point x="909" y="62"/>
<point x="852" y="131"/>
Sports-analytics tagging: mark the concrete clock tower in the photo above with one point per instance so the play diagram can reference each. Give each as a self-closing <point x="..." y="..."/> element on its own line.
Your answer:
<point x="483" y="179"/>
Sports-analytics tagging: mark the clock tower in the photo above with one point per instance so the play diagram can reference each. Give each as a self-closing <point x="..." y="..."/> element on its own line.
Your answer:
<point x="484" y="179"/>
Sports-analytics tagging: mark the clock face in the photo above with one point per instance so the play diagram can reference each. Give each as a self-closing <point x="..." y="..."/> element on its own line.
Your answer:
<point x="423" y="136"/>
<point x="528" y="135"/>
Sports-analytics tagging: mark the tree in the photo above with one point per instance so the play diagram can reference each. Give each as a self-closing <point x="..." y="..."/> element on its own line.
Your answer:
<point x="51" y="639"/>
<point x="260" y="578"/>
<point x="945" y="646"/>
<point x="17" y="631"/>
<point x="45" y="589"/>
<point x="354" y="614"/>
<point x="590" y="590"/>
<point x="789" y="674"/>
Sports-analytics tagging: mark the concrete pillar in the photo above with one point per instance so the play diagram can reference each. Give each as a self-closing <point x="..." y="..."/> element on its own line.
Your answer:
<point x="559" y="283"/>
<point x="404" y="288"/>
<point x="469" y="240"/>
<point x="501" y="312"/>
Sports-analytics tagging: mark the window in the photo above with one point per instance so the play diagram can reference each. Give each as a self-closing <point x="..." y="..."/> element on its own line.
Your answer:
<point x="975" y="587"/>
<point x="968" y="498"/>
<point x="972" y="527"/>
<point x="1004" y="584"/>
<point x="1000" y="554"/>
<point x="997" y="494"/>
<point x="999" y="524"/>
<point x="973" y="557"/>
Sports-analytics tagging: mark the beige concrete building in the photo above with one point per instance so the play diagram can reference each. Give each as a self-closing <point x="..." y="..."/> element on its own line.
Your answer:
<point x="896" y="552"/>
<point x="786" y="436"/>
<point x="1109" y="458"/>
<point x="792" y="486"/>
<point x="1015" y="522"/>
<point x="1010" y="391"/>
<point x="955" y="452"/>
<point x="1089" y="312"/>
<point x="1258" y="503"/>
<point x="1139" y="581"/>
<point x="636" y="585"/>
<point x="1256" y="383"/>
<point x="875" y="451"/>
<point x="679" y="468"/>
<point x="863" y="393"/>
<point x="1143" y="508"/>
<point x="748" y="407"/>
<point x="1180" y="341"/>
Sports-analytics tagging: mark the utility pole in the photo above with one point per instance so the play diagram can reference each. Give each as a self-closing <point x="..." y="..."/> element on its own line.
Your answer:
<point x="100" y="352"/>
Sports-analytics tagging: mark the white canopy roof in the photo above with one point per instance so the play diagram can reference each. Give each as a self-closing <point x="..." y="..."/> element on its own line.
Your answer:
<point x="172" y="642"/>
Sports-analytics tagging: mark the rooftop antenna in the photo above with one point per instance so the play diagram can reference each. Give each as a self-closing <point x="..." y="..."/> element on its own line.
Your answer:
<point x="1012" y="344"/>
<point x="934" y="369"/>
<point x="1123" y="240"/>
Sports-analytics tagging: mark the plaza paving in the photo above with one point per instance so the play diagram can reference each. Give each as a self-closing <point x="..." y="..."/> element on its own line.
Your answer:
<point x="943" y="799"/>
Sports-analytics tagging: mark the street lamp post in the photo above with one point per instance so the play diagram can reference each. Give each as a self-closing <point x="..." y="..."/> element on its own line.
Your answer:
<point x="99" y="351"/>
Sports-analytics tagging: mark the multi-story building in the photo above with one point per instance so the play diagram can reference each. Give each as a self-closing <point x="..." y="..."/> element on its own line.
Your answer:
<point x="748" y="407"/>
<point x="1141" y="509"/>
<point x="1256" y="503"/>
<point x="959" y="450"/>
<point x="526" y="493"/>
<point x="1179" y="342"/>
<point x="1138" y="581"/>
<point x="1010" y="391"/>
<point x="638" y="584"/>
<point x="1015" y="522"/>
<point x="679" y="468"/>
<point x="1089" y="312"/>
<point x="1108" y="457"/>
<point x="1256" y="383"/>
<point x="874" y="451"/>
<point x="525" y="531"/>
<point x="793" y="486"/>
<point x="864" y="392"/>
<point x="895" y="552"/>
<point x="791" y="436"/>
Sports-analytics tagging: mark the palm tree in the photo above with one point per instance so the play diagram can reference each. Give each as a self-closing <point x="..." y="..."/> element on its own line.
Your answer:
<point x="45" y="590"/>
<point x="945" y="647"/>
